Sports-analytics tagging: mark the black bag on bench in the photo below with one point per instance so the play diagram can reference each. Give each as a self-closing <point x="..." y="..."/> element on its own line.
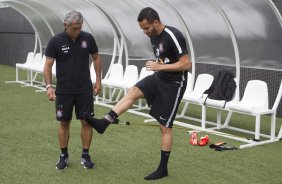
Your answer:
<point x="223" y="87"/>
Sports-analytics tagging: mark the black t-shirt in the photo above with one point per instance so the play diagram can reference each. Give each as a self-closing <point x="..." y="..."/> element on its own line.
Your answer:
<point x="72" y="62"/>
<point x="168" y="47"/>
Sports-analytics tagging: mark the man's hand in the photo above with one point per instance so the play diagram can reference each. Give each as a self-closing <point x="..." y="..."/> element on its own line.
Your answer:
<point x="96" y="89"/>
<point x="153" y="66"/>
<point x="51" y="94"/>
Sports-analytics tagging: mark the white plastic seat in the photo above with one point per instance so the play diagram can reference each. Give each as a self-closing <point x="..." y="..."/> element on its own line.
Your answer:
<point x="144" y="73"/>
<point x="31" y="66"/>
<point x="190" y="84"/>
<point x="28" y="62"/>
<point x="24" y="66"/>
<point x="130" y="78"/>
<point x="255" y="98"/>
<point x="35" y="66"/>
<point x="255" y="103"/>
<point x="39" y="70"/>
<point x="92" y="73"/>
<point x="38" y="65"/>
<point x="220" y="105"/>
<point x="196" y="96"/>
<point x="41" y="67"/>
<point x="115" y="76"/>
<point x="93" y="77"/>
<point x="203" y="82"/>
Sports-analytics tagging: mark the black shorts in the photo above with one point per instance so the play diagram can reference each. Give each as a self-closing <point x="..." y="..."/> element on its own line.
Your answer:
<point x="163" y="97"/>
<point x="66" y="102"/>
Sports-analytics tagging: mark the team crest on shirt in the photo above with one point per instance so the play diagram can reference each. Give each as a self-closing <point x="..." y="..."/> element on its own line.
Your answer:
<point x="157" y="52"/>
<point x="161" y="47"/>
<point x="84" y="44"/>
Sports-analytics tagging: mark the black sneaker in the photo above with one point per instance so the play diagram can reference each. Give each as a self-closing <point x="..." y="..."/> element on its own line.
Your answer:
<point x="86" y="161"/>
<point x="62" y="162"/>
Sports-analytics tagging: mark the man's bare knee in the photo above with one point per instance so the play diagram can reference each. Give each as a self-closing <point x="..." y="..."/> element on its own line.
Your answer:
<point x="64" y="124"/>
<point x="126" y="102"/>
<point x="135" y="92"/>
<point x="85" y="125"/>
<point x="165" y="130"/>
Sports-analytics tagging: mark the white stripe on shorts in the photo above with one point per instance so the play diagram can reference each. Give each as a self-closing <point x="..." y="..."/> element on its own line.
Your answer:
<point x="176" y="101"/>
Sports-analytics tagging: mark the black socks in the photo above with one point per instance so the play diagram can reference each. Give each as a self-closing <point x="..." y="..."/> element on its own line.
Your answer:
<point x="112" y="117"/>
<point x="100" y="125"/>
<point x="65" y="152"/>
<point x="162" y="169"/>
<point x="85" y="152"/>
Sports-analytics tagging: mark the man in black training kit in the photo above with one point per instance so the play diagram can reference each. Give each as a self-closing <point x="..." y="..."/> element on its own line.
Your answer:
<point x="74" y="88"/>
<point x="163" y="90"/>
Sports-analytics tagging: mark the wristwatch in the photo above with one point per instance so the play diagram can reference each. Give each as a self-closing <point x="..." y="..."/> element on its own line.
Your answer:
<point x="48" y="86"/>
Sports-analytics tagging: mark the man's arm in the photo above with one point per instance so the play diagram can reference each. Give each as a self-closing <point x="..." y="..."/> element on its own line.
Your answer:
<point x="47" y="72"/>
<point x="182" y="64"/>
<point x="98" y="68"/>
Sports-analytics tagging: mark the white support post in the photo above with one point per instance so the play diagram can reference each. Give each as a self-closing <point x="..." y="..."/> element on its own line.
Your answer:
<point x="227" y="120"/>
<point x="17" y="74"/>
<point x="280" y="133"/>
<point x="184" y="109"/>
<point x="257" y="131"/>
<point x="104" y="93"/>
<point x="272" y="129"/>
<point x="218" y="119"/>
<point x="203" y="117"/>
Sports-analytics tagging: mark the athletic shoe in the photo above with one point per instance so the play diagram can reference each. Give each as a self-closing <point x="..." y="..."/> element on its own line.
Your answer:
<point x="86" y="161"/>
<point x="204" y="140"/>
<point x="193" y="139"/>
<point x="62" y="162"/>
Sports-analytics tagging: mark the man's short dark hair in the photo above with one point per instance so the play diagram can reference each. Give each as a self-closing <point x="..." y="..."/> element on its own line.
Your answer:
<point x="148" y="13"/>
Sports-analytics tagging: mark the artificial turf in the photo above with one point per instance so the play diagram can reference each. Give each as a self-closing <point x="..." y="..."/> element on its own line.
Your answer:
<point x="124" y="153"/>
